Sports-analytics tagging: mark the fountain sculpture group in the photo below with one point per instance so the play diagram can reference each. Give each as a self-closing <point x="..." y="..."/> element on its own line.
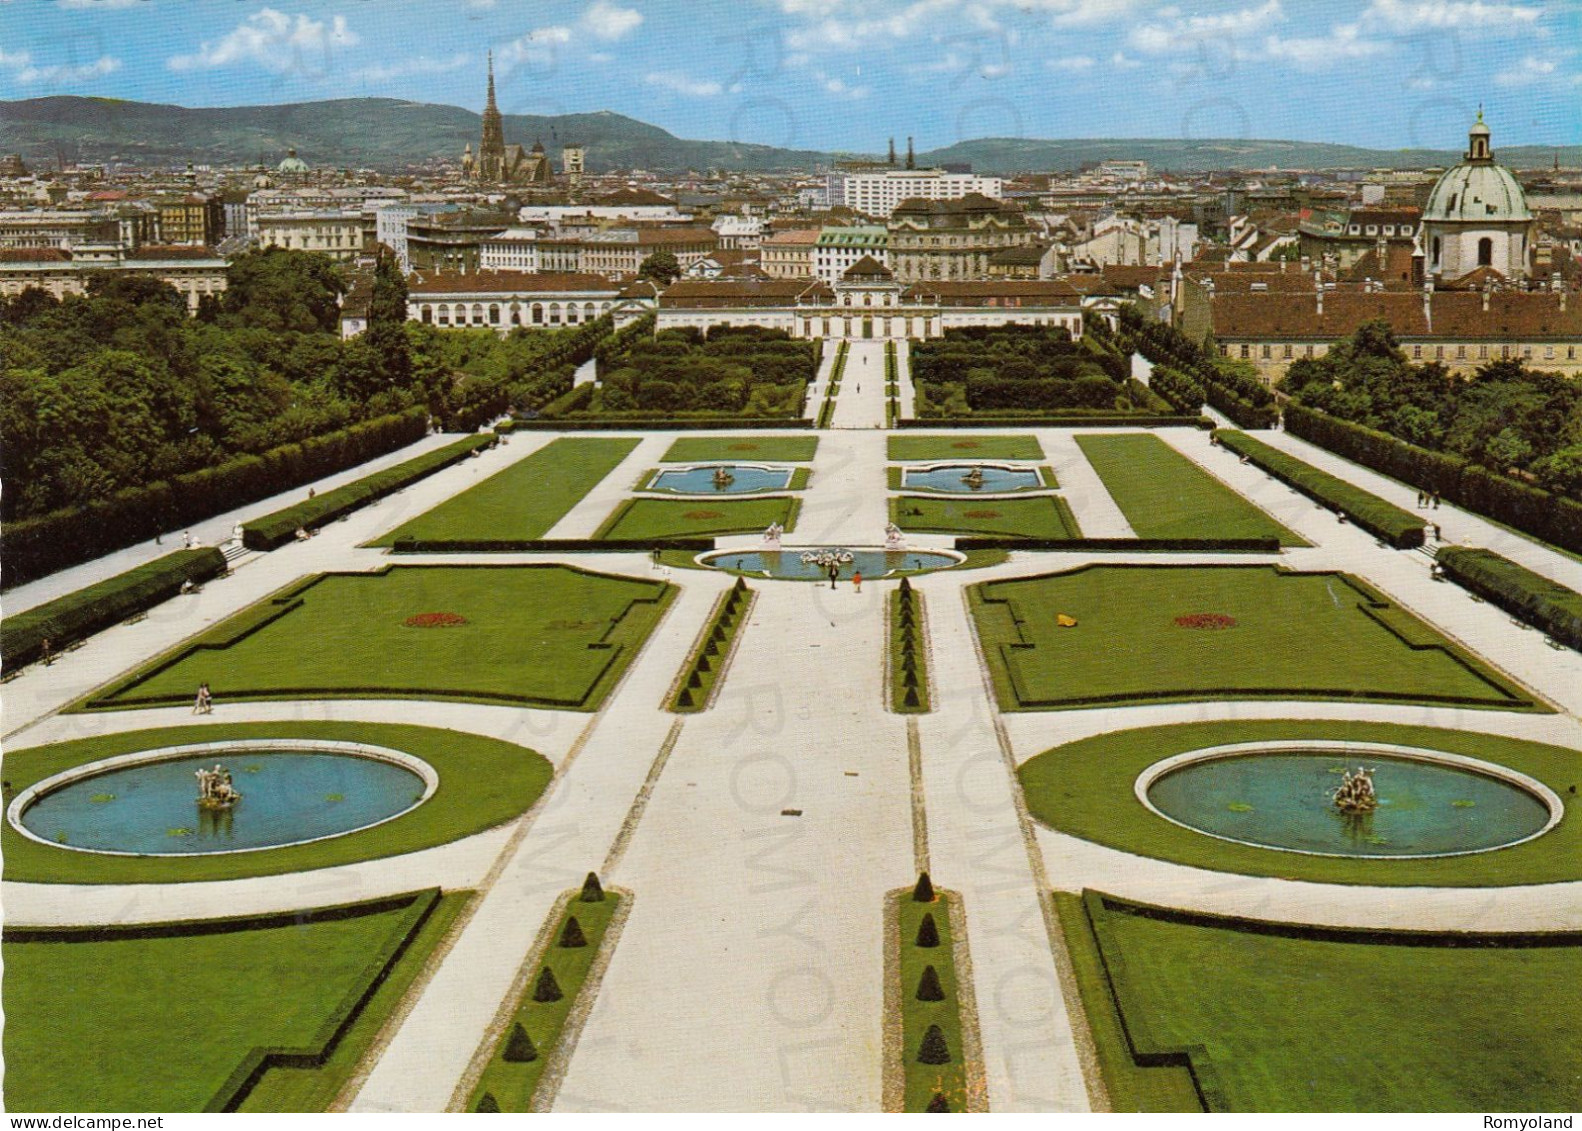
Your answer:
<point x="723" y="478"/>
<point x="215" y="790"/>
<point x="974" y="478"/>
<point x="1355" y="794"/>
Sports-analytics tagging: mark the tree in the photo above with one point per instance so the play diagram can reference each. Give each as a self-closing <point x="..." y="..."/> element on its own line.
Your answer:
<point x="519" y="1048"/>
<point x="276" y="289"/>
<point x="662" y="267"/>
<point x="387" y="338"/>
<point x="1561" y="472"/>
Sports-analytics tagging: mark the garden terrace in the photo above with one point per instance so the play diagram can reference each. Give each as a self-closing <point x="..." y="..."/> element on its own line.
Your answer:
<point x="743" y="371"/>
<point x="1279" y="1017"/>
<point x="1399" y="528"/>
<point x="753" y="449"/>
<point x="1087" y="789"/>
<point x="260" y="1000"/>
<point x="956" y="446"/>
<point x="483" y="783"/>
<point x="1018" y="369"/>
<point x="656" y="520"/>
<point x="524" y="501"/>
<point x="1163" y="494"/>
<point x="1041" y="516"/>
<point x="555" y="637"/>
<point x="1296" y="636"/>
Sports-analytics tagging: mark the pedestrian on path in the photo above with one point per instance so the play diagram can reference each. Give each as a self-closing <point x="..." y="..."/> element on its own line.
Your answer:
<point x="1422" y="499"/>
<point x="49" y="653"/>
<point x="856" y="581"/>
<point x="834" y="572"/>
<point x="197" y="703"/>
<point x="186" y="539"/>
<point x="1436" y="500"/>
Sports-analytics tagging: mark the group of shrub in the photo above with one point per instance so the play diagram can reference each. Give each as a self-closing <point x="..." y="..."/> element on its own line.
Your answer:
<point x="704" y="666"/>
<point x="932" y="1057"/>
<point x="76" y="616"/>
<point x="1018" y="368"/>
<point x="1543" y="603"/>
<point x="1552" y="518"/>
<point x="908" y="656"/>
<point x="1193" y="375"/>
<point x="837" y="370"/>
<point x="1400" y="528"/>
<point x="734" y="371"/>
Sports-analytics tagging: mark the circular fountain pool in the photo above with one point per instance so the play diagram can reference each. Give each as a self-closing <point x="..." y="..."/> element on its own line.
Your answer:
<point x="787" y="564"/>
<point x="959" y="478"/>
<point x="706" y="479"/>
<point x="145" y="804"/>
<point x="1278" y="795"/>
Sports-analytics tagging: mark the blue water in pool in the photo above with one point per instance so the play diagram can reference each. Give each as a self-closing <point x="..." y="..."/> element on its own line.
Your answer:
<point x="286" y="797"/>
<point x="995" y="479"/>
<point x="700" y="480"/>
<point x="1281" y="800"/>
<point x="787" y="565"/>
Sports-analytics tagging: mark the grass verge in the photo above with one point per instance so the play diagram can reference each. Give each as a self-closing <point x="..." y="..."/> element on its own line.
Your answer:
<point x="706" y="664"/>
<point x="957" y="446"/>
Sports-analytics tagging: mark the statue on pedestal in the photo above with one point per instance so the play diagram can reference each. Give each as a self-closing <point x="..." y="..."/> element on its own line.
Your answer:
<point x="215" y="790"/>
<point x="893" y="538"/>
<point x="772" y="536"/>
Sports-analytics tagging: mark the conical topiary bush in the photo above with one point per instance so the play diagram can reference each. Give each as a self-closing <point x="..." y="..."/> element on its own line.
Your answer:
<point x="928" y="987"/>
<point x="906" y="586"/>
<point x="938" y="1104"/>
<point x="928" y="932"/>
<point x="911" y="699"/>
<point x="547" y="989"/>
<point x="924" y="891"/>
<point x="488" y="1105"/>
<point x="711" y="647"/>
<point x="741" y="585"/>
<point x="592" y="890"/>
<point x="571" y="935"/>
<point x="684" y="699"/>
<point x="704" y="665"/>
<point x="933" y="1050"/>
<point x="519" y="1046"/>
<point x="694" y="680"/>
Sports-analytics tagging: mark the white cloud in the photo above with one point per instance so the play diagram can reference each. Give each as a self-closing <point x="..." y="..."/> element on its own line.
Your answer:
<point x="1090" y="13"/>
<point x="1073" y="64"/>
<point x="536" y="48"/>
<point x="608" y="22"/>
<point x="422" y="65"/>
<point x="1313" y="53"/>
<point x="101" y="5"/>
<point x="1175" y="32"/>
<point x="271" y="39"/>
<point x="1123" y="62"/>
<point x="25" y="72"/>
<point x="844" y="25"/>
<point x="1529" y="71"/>
<point x="1406" y="16"/>
<point x="681" y="84"/>
<point x="835" y="85"/>
<point x="600" y="57"/>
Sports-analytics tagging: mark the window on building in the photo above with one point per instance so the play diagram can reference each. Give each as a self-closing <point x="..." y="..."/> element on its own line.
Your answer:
<point x="494" y="314"/>
<point x="1439" y="353"/>
<point x="1461" y="351"/>
<point x="1485" y="252"/>
<point x="1417" y="353"/>
<point x="1288" y="350"/>
<point x="1310" y="350"/>
<point x="538" y="314"/>
<point x="1436" y="251"/>
<point x="1549" y="353"/>
<point x="1246" y="352"/>
<point x="1483" y="351"/>
<point x="1266" y="353"/>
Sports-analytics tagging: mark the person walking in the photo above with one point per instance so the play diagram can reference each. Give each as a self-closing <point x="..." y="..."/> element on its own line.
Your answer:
<point x="834" y="572"/>
<point x="208" y="699"/>
<point x="1436" y="500"/>
<point x="49" y="654"/>
<point x="197" y="703"/>
<point x="856" y="581"/>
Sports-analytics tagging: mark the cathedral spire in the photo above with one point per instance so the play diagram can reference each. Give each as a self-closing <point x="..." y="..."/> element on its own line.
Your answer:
<point x="491" y="146"/>
<point x="489" y="102"/>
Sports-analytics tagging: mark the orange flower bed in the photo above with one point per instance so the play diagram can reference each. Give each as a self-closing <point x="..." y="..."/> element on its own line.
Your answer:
<point x="434" y="620"/>
<point x="1205" y="620"/>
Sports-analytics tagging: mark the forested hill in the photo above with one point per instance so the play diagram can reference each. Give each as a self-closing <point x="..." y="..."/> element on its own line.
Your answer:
<point x="392" y="134"/>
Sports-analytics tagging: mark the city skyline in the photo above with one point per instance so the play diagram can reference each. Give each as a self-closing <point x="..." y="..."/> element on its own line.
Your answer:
<point x="838" y="76"/>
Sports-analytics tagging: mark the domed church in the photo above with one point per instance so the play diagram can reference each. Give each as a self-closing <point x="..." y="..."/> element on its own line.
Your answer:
<point x="1477" y="216"/>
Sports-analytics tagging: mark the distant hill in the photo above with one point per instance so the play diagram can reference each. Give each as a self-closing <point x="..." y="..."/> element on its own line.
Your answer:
<point x="392" y="134"/>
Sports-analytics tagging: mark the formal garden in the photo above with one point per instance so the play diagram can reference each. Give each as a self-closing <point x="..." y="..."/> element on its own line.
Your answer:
<point x="655" y="520"/>
<point x="1042" y="516"/>
<point x="556" y="636"/>
<point x="952" y="446"/>
<point x="1217" y="632"/>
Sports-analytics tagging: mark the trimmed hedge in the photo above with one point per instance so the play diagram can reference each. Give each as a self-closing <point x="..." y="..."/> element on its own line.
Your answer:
<point x="1181" y="390"/>
<point x="1400" y="528"/>
<point x="76" y="616"/>
<point x="610" y="422"/>
<point x="1096" y="419"/>
<point x="39" y="546"/>
<point x="1545" y="604"/>
<point x="1551" y="518"/>
<point x="280" y="527"/>
<point x="707" y="662"/>
<point x="908" y="652"/>
<point x="573" y="399"/>
<point x="1126" y="545"/>
<point x="545" y="545"/>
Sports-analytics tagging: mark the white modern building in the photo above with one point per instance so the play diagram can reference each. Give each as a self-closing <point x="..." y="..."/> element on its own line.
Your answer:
<point x="877" y="194"/>
<point x="515" y="249"/>
<point x="837" y="250"/>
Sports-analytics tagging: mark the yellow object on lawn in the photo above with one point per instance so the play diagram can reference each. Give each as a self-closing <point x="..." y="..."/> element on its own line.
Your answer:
<point x="1065" y="621"/>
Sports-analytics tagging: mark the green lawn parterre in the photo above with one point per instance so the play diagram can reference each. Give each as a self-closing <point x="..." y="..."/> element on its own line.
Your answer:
<point x="555" y="636"/>
<point x="1295" y="636"/>
<point x="156" y="1019"/>
<point x="483" y="782"/>
<point x="754" y="449"/>
<point x="1040" y="516"/>
<point x="1316" y="1020"/>
<point x="959" y="445"/>
<point x="649" y="519"/>
<point x="1086" y="789"/>
<point x="1163" y="494"/>
<point x="924" y="1081"/>
<point x="525" y="500"/>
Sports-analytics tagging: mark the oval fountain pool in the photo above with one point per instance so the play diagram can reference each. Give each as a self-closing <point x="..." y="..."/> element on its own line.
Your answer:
<point x="787" y="565"/>
<point x="1282" y="796"/>
<point x="738" y="479"/>
<point x="958" y="478"/>
<point x="147" y="804"/>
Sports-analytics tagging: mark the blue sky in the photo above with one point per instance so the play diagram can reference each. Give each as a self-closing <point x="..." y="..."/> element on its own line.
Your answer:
<point x="847" y="74"/>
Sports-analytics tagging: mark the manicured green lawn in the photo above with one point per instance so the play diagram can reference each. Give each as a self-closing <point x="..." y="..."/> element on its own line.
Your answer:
<point x="1338" y="1023"/>
<point x="1295" y="635"/>
<point x="129" y="1023"/>
<point x="1086" y="789"/>
<point x="1163" y="494"/>
<point x="525" y="500"/>
<point x="483" y="782"/>
<point x="655" y="519"/>
<point x="1045" y="516"/>
<point x="964" y="445"/>
<point x="767" y="448"/>
<point x="512" y="1083"/>
<point x="553" y="636"/>
<point x="923" y="1081"/>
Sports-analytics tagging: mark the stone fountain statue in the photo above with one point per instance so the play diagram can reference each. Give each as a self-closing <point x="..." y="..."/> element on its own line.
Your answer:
<point x="215" y="790"/>
<point x="974" y="478"/>
<point x="1355" y="794"/>
<point x="893" y="538"/>
<point x="772" y="536"/>
<point x="723" y="478"/>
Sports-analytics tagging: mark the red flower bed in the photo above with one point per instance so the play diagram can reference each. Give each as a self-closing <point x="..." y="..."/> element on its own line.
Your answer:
<point x="435" y="620"/>
<point x="704" y="514"/>
<point x="966" y="444"/>
<point x="1205" y="620"/>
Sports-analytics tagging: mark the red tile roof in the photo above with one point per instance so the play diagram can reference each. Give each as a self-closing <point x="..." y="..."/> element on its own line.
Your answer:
<point x="1513" y="316"/>
<point x="508" y="282"/>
